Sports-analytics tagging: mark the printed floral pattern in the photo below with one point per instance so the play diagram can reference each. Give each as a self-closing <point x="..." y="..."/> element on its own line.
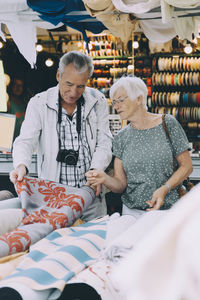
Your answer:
<point x="47" y="206"/>
<point x="17" y="241"/>
<point x="57" y="220"/>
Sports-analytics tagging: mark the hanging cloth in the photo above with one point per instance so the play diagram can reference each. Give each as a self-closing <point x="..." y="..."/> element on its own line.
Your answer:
<point x="70" y="13"/>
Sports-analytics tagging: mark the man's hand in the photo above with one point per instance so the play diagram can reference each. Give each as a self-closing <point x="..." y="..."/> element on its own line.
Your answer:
<point x="18" y="174"/>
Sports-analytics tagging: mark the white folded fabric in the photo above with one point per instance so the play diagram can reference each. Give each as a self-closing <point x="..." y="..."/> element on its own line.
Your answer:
<point x="165" y="263"/>
<point x="10" y="219"/>
<point x="133" y="231"/>
<point x="135" y="6"/>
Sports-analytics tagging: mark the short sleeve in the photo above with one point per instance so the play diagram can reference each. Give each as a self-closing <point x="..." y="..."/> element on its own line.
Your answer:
<point x="178" y="137"/>
<point x="117" y="152"/>
<point x="119" y="142"/>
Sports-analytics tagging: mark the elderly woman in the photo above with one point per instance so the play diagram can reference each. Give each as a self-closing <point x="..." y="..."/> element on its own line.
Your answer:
<point x="143" y="165"/>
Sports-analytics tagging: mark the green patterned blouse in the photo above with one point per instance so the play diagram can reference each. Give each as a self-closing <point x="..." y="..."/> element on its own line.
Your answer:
<point x="148" y="160"/>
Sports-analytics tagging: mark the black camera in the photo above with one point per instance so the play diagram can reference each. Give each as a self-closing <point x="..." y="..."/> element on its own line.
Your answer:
<point x="70" y="157"/>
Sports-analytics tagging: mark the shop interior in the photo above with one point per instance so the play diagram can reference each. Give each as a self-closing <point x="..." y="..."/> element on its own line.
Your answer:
<point x="50" y="252"/>
<point x="169" y="66"/>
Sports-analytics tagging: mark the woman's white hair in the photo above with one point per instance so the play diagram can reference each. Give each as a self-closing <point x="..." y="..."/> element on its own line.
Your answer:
<point x="134" y="86"/>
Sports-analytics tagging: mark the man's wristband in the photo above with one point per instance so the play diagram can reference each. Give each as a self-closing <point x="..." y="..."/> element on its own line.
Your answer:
<point x="168" y="186"/>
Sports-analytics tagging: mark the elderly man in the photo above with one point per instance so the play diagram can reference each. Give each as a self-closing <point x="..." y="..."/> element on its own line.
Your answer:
<point x="69" y="126"/>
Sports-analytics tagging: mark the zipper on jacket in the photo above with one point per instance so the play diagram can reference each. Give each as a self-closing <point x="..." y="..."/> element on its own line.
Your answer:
<point x="90" y="128"/>
<point x="42" y="161"/>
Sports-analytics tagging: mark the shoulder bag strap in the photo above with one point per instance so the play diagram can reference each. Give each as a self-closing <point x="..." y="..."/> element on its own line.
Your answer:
<point x="168" y="136"/>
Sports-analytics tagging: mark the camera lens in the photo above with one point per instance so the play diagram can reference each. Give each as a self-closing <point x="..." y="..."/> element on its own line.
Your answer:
<point x="70" y="159"/>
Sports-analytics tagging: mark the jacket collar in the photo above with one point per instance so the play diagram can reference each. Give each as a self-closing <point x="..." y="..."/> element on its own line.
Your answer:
<point x="90" y="99"/>
<point x="89" y="96"/>
<point x="52" y="97"/>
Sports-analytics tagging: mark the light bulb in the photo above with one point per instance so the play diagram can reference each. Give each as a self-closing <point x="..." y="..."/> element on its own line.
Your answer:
<point x="1" y="45"/>
<point x="188" y="49"/>
<point x="39" y="48"/>
<point x="135" y="44"/>
<point x="130" y="67"/>
<point x="49" y="62"/>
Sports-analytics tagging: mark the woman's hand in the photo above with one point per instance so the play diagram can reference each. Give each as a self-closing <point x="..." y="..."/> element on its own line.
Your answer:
<point x="95" y="177"/>
<point x="158" y="197"/>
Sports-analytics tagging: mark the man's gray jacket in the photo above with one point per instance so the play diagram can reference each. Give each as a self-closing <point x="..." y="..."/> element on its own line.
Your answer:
<point x="39" y="132"/>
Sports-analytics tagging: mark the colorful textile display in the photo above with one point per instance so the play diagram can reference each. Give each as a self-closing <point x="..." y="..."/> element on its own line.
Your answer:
<point x="47" y="206"/>
<point x="55" y="259"/>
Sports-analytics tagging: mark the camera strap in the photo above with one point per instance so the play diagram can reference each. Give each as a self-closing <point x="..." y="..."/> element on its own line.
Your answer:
<point x="78" y="118"/>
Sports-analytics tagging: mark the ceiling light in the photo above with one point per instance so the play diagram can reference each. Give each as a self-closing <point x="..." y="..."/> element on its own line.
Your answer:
<point x="135" y="44"/>
<point x="49" y="62"/>
<point x="188" y="49"/>
<point x="39" y="47"/>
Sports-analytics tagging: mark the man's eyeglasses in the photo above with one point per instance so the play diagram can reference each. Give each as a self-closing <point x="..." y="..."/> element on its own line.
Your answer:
<point x="121" y="100"/>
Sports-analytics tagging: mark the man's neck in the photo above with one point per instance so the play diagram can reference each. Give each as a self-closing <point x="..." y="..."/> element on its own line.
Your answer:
<point x="69" y="107"/>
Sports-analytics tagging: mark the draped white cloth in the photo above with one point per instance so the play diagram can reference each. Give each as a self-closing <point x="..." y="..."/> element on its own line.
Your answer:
<point x="21" y="22"/>
<point x="170" y="23"/>
<point x="165" y="264"/>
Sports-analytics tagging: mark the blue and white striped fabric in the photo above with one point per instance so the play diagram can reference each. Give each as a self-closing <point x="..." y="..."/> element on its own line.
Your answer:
<point x="55" y="259"/>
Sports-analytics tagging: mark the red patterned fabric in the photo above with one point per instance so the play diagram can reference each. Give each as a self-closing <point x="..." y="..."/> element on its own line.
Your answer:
<point x="47" y="206"/>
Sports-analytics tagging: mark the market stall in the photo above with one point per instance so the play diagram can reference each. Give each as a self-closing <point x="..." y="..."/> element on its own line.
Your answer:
<point x="173" y="80"/>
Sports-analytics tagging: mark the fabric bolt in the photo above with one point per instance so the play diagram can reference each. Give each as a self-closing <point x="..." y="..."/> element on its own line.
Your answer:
<point x="74" y="175"/>
<point x="116" y="248"/>
<point x="47" y="206"/>
<point x="55" y="259"/>
<point x="148" y="161"/>
<point x="168" y="256"/>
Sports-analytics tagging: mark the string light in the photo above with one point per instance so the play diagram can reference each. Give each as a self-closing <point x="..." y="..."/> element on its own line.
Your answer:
<point x="188" y="49"/>
<point x="49" y="62"/>
<point x="39" y="48"/>
<point x="135" y="44"/>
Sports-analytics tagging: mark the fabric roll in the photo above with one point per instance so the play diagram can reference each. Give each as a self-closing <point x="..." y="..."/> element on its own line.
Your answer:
<point x="54" y="260"/>
<point x="47" y="206"/>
